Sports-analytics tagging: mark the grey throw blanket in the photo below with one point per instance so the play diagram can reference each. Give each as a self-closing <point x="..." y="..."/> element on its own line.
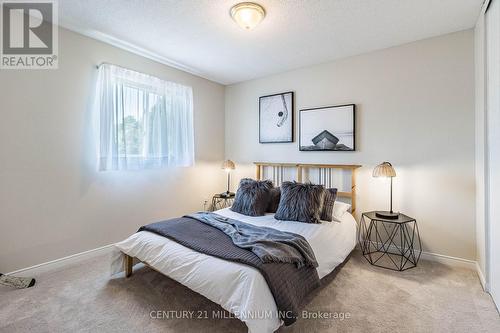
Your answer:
<point x="270" y="245"/>
<point x="289" y="284"/>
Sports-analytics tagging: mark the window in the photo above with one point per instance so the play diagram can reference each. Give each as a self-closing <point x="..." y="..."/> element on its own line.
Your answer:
<point x="144" y="122"/>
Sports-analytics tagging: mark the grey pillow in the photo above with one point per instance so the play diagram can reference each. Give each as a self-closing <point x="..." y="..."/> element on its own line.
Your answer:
<point x="300" y="202"/>
<point x="274" y="200"/>
<point x="252" y="197"/>
<point x="328" y="202"/>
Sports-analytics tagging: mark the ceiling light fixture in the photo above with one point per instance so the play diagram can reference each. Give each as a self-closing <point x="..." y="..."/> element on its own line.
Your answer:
<point x="247" y="14"/>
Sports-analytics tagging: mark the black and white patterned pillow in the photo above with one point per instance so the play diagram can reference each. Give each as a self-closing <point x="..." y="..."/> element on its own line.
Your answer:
<point x="328" y="203"/>
<point x="300" y="202"/>
<point x="252" y="197"/>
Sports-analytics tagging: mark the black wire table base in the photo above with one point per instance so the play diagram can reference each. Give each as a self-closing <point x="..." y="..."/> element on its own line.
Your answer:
<point x="219" y="202"/>
<point x="391" y="244"/>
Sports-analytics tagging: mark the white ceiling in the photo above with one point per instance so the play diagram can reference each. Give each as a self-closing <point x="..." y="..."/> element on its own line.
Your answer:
<point x="199" y="36"/>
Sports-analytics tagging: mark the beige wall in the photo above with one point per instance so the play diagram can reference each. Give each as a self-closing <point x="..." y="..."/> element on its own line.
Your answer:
<point x="53" y="202"/>
<point x="415" y="108"/>
<point x="480" y="138"/>
<point x="492" y="151"/>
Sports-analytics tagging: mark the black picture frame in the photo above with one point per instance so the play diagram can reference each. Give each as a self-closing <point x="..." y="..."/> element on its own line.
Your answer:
<point x="353" y="126"/>
<point x="291" y="113"/>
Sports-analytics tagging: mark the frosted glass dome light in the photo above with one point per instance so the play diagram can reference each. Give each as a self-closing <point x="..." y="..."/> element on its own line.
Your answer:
<point x="247" y="14"/>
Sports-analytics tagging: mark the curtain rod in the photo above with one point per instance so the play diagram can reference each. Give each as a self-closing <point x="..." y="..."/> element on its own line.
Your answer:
<point x="146" y="74"/>
<point x="127" y="68"/>
<point x="107" y="63"/>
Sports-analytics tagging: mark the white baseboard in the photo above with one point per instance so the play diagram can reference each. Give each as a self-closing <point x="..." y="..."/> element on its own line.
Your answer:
<point x="455" y="262"/>
<point x="441" y="258"/>
<point x="78" y="257"/>
<point x="35" y="270"/>
<point x="481" y="278"/>
<point x="449" y="260"/>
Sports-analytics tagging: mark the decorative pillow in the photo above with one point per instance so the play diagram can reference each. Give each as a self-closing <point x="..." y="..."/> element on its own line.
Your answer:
<point x="339" y="209"/>
<point x="252" y="197"/>
<point x="300" y="202"/>
<point x="328" y="203"/>
<point x="274" y="200"/>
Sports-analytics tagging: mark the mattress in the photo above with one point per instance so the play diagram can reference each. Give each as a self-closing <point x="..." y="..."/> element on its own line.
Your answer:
<point x="238" y="288"/>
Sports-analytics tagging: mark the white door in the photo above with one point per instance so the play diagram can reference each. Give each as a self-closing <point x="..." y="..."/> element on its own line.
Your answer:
<point x="492" y="25"/>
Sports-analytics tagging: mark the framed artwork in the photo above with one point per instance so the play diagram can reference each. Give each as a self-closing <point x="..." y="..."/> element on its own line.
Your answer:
<point x="330" y="128"/>
<point x="276" y="118"/>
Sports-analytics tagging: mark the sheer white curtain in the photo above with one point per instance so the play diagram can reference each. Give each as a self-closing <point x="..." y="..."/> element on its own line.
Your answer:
<point x="144" y="122"/>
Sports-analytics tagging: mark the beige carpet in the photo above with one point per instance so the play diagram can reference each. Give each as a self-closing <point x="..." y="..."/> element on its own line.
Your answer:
<point x="82" y="298"/>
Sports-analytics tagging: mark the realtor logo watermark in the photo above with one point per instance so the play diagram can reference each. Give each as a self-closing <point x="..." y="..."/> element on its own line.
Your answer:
<point x="29" y="36"/>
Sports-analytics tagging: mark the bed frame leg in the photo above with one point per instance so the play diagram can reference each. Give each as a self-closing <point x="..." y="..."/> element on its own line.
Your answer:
<point x="128" y="262"/>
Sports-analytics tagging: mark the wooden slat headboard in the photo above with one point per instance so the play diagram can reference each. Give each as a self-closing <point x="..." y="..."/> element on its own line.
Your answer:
<point x="323" y="174"/>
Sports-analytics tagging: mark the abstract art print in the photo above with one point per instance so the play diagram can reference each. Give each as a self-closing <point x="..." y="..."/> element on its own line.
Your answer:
<point x="328" y="128"/>
<point x="276" y="118"/>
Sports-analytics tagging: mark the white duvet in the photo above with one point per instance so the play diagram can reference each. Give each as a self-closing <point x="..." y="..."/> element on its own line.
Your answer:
<point x="238" y="288"/>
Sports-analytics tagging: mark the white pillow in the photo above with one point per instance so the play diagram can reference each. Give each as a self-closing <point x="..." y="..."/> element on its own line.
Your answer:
<point x="339" y="209"/>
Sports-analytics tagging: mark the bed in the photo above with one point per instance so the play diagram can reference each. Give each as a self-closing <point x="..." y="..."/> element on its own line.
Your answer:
<point x="238" y="288"/>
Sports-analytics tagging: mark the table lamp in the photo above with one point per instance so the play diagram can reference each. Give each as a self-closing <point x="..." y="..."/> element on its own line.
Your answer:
<point x="228" y="165"/>
<point x="385" y="169"/>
